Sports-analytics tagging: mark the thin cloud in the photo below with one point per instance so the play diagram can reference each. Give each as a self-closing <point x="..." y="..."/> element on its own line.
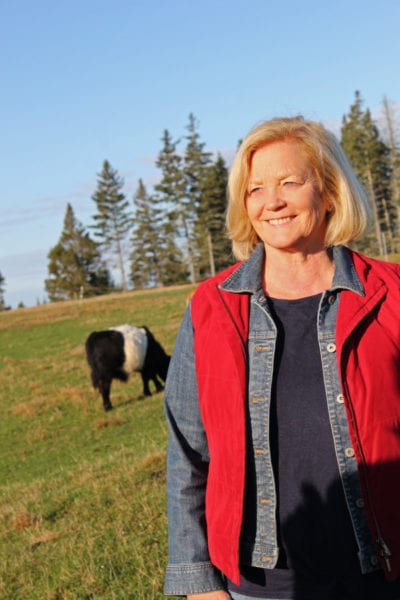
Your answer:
<point x="39" y="209"/>
<point x="24" y="275"/>
<point x="42" y="209"/>
<point x="25" y="264"/>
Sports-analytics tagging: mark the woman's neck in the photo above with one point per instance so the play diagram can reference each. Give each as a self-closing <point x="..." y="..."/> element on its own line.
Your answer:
<point x="295" y="275"/>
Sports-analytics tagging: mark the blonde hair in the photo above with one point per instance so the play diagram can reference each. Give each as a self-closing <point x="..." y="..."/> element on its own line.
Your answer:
<point x="349" y="205"/>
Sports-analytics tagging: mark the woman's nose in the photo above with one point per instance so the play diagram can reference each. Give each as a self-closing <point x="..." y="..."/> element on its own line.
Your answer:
<point x="273" y="199"/>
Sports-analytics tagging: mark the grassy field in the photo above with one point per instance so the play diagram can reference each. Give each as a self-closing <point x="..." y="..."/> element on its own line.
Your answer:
<point x="82" y="492"/>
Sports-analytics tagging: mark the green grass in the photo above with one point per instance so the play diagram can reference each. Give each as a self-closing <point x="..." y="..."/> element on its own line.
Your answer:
<point x="82" y="492"/>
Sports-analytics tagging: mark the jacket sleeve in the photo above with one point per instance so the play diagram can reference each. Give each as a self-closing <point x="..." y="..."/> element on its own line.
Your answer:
<point x="189" y="569"/>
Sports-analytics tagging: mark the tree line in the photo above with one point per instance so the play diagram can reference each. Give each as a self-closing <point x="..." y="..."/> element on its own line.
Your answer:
<point x="376" y="161"/>
<point x="175" y="233"/>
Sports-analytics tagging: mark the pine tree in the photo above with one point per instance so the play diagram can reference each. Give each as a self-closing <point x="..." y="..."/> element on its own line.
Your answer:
<point x="172" y="268"/>
<point x="392" y="140"/>
<point x="380" y="184"/>
<point x="214" y="247"/>
<point x="2" y="290"/>
<point x="113" y="221"/>
<point x="195" y="162"/>
<point x="75" y="266"/>
<point x="169" y="198"/>
<point x="145" y="241"/>
<point x="369" y="157"/>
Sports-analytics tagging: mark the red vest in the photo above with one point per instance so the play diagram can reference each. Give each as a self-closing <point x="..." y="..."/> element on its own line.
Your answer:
<point x="368" y="355"/>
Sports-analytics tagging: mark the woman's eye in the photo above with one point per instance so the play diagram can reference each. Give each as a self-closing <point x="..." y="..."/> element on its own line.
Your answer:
<point x="290" y="183"/>
<point x="255" y="190"/>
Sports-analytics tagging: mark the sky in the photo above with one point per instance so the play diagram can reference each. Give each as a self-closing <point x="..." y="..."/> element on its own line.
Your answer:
<point x="87" y="80"/>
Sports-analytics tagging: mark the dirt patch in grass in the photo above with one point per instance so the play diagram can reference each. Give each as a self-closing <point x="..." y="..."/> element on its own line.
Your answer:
<point x="110" y="422"/>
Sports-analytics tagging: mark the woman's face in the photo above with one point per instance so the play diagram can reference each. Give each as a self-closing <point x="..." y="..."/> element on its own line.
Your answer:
<point x="284" y="202"/>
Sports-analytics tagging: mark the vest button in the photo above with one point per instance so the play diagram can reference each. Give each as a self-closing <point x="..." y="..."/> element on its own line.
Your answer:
<point x="331" y="347"/>
<point x="257" y="399"/>
<point x="340" y="398"/>
<point x="360" y="503"/>
<point x="262" y="348"/>
<point x="349" y="452"/>
<point x="266" y="558"/>
<point x="265" y="501"/>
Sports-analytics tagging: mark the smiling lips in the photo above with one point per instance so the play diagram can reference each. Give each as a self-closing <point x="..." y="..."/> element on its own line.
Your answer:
<point x="281" y="221"/>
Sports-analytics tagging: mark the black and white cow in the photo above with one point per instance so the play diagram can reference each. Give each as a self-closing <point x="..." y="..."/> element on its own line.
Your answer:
<point x="119" y="351"/>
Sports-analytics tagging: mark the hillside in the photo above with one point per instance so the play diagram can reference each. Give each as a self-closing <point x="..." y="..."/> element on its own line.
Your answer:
<point x="82" y="492"/>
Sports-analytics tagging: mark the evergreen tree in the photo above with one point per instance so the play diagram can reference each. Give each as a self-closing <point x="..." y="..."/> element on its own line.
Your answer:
<point x="172" y="268"/>
<point x="380" y="185"/>
<point x="392" y="140"/>
<point x="169" y="199"/>
<point x="369" y="157"/>
<point x="212" y="243"/>
<point x="145" y="241"/>
<point x="112" y="220"/>
<point x="75" y="266"/>
<point x="195" y="162"/>
<point x="2" y="290"/>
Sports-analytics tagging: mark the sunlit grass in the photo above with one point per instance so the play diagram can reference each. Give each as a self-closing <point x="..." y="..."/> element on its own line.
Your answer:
<point x="82" y="492"/>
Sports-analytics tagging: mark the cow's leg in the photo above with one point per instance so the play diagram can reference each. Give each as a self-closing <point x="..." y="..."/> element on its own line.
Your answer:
<point x="105" y="387"/>
<point x="145" y="379"/>
<point x="148" y="374"/>
<point x="157" y="383"/>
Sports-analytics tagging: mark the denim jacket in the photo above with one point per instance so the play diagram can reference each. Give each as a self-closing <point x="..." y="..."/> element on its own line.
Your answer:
<point x="189" y="569"/>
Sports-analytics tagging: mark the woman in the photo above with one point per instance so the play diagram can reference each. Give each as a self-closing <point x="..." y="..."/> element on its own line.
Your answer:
<point x="283" y="394"/>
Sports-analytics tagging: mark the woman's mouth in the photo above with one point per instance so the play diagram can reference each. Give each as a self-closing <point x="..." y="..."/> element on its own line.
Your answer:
<point x="280" y="221"/>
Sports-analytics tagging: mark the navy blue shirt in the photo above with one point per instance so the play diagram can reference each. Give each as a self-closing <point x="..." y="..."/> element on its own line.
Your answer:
<point x="318" y="551"/>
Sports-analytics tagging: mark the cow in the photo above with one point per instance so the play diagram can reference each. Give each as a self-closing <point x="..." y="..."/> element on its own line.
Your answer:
<point x="117" y="352"/>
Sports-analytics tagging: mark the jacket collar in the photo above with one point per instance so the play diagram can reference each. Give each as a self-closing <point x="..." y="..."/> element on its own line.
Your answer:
<point x="247" y="277"/>
<point x="345" y="276"/>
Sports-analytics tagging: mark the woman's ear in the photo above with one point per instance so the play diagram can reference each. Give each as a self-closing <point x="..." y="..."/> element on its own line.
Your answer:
<point x="330" y="205"/>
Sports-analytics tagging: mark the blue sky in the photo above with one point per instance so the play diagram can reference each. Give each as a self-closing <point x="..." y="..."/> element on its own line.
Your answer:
<point x="83" y="81"/>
